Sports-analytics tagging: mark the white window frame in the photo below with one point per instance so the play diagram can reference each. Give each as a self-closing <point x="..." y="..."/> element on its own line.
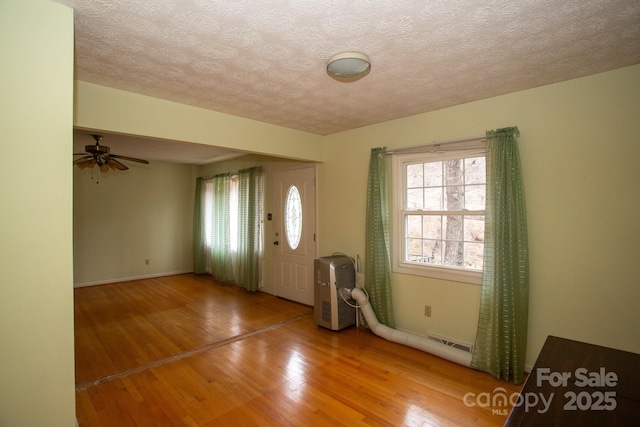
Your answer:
<point x="399" y="162"/>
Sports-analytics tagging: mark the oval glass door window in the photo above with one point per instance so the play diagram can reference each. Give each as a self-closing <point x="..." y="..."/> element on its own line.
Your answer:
<point x="293" y="217"/>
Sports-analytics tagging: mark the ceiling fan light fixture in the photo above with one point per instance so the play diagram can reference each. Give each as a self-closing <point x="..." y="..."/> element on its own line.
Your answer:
<point x="100" y="156"/>
<point x="348" y="66"/>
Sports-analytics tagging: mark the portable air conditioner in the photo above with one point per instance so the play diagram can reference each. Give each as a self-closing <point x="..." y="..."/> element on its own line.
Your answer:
<point x="334" y="276"/>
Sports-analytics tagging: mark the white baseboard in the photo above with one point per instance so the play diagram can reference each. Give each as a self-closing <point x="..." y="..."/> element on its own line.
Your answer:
<point x="126" y="279"/>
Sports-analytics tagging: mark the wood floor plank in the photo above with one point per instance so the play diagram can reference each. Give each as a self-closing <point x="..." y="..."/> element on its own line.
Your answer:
<point x="258" y="361"/>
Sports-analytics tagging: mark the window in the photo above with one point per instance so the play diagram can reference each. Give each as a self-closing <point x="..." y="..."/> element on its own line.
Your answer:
<point x="293" y="217"/>
<point x="231" y="229"/>
<point x="439" y="206"/>
<point x="233" y="212"/>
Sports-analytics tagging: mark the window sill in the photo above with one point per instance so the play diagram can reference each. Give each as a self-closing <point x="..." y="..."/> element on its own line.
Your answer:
<point x="444" y="273"/>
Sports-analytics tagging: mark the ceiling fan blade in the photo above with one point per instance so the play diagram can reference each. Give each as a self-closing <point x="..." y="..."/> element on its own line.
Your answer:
<point x="114" y="164"/>
<point x="87" y="162"/>
<point x="76" y="161"/>
<point x="132" y="159"/>
<point x="80" y="154"/>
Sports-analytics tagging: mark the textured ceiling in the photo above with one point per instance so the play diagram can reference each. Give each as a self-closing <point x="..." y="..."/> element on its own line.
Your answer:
<point x="265" y="60"/>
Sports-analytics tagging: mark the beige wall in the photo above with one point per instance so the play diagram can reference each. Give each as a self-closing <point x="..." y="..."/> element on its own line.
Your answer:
<point x="106" y="109"/>
<point x="580" y="150"/>
<point x="36" y="296"/>
<point x="144" y="213"/>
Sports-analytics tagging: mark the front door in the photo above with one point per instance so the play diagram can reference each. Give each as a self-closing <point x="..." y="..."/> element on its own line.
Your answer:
<point x="294" y="233"/>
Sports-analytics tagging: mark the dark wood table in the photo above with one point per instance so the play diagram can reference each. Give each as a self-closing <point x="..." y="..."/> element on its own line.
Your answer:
<point x="579" y="384"/>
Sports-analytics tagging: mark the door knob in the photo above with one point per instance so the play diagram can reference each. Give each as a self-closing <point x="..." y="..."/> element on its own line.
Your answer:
<point x="276" y="243"/>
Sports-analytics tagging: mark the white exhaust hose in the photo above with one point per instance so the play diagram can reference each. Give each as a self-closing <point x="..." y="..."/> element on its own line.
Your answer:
<point x="405" y="338"/>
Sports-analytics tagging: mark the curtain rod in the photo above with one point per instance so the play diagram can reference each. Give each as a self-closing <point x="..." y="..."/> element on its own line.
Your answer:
<point x="437" y="144"/>
<point x="231" y="174"/>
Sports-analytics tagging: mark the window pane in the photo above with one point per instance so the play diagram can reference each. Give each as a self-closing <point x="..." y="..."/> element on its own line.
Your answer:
<point x="473" y="253"/>
<point x="414" y="176"/>
<point x="433" y="174"/>
<point x="474" y="228"/>
<point x="414" y="226"/>
<point x="474" y="197"/>
<point x="432" y="227"/>
<point x="415" y="199"/>
<point x="433" y="199"/>
<point x="453" y="172"/>
<point x="475" y="170"/>
<point x="452" y="227"/>
<point x="414" y="250"/>
<point x="293" y="217"/>
<point x="453" y="252"/>
<point x="454" y="197"/>
<point x="431" y="252"/>
<point x="233" y="213"/>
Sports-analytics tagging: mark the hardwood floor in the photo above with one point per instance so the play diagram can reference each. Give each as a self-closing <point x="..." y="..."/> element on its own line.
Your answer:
<point x="185" y="351"/>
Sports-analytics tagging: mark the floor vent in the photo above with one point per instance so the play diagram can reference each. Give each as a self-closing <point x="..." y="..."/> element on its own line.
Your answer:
<point x="460" y="346"/>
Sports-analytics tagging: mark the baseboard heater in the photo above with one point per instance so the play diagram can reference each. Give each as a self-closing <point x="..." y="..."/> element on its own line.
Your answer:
<point x="455" y="344"/>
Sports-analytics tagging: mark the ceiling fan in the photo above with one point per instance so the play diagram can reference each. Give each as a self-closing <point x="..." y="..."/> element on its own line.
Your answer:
<point x="101" y="156"/>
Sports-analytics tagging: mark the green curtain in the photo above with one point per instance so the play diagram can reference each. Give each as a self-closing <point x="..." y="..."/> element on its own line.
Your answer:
<point x="377" y="249"/>
<point x="501" y="340"/>
<point x="199" y="250"/>
<point x="221" y="267"/>
<point x="249" y="227"/>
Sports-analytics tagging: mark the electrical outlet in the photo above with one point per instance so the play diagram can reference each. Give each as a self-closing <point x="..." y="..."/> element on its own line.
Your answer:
<point x="427" y="310"/>
<point x="146" y="262"/>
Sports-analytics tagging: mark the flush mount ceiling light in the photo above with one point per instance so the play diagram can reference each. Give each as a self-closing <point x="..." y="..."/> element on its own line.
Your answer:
<point x="348" y="66"/>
